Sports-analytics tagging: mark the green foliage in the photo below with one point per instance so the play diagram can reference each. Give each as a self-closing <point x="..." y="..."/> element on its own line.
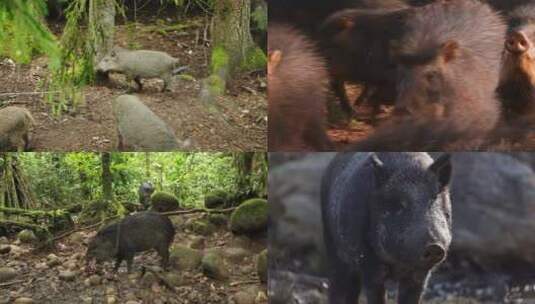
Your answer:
<point x="22" y="35"/>
<point x="260" y="17"/>
<point x="81" y="34"/>
<point x="63" y="180"/>
<point x="250" y="216"/>
<point x="255" y="59"/>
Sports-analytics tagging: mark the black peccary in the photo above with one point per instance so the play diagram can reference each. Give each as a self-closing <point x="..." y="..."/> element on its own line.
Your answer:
<point x="517" y="83"/>
<point x="145" y="191"/>
<point x="135" y="233"/>
<point x="386" y="216"/>
<point x="297" y="92"/>
<point x="356" y="44"/>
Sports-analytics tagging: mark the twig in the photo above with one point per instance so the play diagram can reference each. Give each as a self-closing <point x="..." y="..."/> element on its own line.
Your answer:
<point x="199" y="211"/>
<point x="246" y="282"/>
<point x="27" y="93"/>
<point x="11" y="283"/>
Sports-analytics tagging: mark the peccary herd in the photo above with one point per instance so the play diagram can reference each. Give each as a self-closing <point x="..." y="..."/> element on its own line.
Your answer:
<point x="459" y="73"/>
<point x="138" y="128"/>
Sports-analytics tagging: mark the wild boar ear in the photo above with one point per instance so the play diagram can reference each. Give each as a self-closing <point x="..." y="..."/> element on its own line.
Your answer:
<point x="274" y="59"/>
<point x="378" y="168"/>
<point x="442" y="169"/>
<point x="449" y="50"/>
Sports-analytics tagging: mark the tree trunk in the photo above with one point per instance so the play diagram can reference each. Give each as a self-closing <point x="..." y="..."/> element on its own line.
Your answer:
<point x="106" y="176"/>
<point x="233" y="49"/>
<point x="147" y="166"/>
<point x="104" y="11"/>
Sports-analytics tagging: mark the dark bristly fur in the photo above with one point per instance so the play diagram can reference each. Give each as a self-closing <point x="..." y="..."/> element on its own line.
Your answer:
<point x="297" y="93"/>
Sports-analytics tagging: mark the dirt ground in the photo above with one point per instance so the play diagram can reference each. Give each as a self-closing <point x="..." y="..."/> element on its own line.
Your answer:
<point x="238" y="124"/>
<point x="41" y="274"/>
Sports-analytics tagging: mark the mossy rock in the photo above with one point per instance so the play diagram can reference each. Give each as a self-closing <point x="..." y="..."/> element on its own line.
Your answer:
<point x="214" y="266"/>
<point x="185" y="258"/>
<point x="262" y="266"/>
<point x="164" y="202"/>
<point x="218" y="219"/>
<point x="202" y="227"/>
<point x="27" y="236"/>
<point x="216" y="199"/>
<point x="250" y="217"/>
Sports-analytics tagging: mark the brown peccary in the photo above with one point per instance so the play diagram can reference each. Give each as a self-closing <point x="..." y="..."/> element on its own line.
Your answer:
<point x="139" y="128"/>
<point x="386" y="216"/>
<point x="448" y="69"/>
<point x="297" y="92"/>
<point x="135" y="233"/>
<point x="517" y="82"/>
<point x="15" y="125"/>
<point x="356" y="43"/>
<point x="140" y="64"/>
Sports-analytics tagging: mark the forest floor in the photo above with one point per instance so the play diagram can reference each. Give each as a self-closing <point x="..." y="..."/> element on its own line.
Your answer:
<point x="60" y="275"/>
<point x="239" y="124"/>
<point x="446" y="285"/>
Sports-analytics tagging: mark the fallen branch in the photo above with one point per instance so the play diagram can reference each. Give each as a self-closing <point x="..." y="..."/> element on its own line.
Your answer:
<point x="27" y="93"/>
<point x="11" y="283"/>
<point x="199" y="211"/>
<point x="246" y="282"/>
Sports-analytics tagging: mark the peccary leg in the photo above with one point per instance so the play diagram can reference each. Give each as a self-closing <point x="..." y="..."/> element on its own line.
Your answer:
<point x="137" y="79"/>
<point x="166" y="80"/>
<point x="129" y="261"/>
<point x="374" y="280"/>
<point x="117" y="263"/>
<point x="410" y="290"/>
<point x="163" y="251"/>
<point x="344" y="287"/>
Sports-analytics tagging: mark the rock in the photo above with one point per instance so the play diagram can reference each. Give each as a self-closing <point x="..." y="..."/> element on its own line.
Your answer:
<point x="77" y="238"/>
<point x="213" y="265"/>
<point x="5" y="249"/>
<point x="87" y="300"/>
<point x="7" y="274"/>
<point x="131" y="297"/>
<point x="235" y="254"/>
<point x="27" y="236"/>
<point x="164" y="201"/>
<point x="296" y="229"/>
<point x="250" y="217"/>
<point x="197" y="242"/>
<point x="184" y="258"/>
<point x="202" y="227"/>
<point x="94" y="280"/>
<point x="132" y="302"/>
<point x="67" y="275"/>
<point x="110" y="290"/>
<point x="243" y="297"/>
<point x="52" y="260"/>
<point x="4" y="240"/>
<point x="24" y="300"/>
<point x="174" y="279"/>
<point x="111" y="300"/>
<point x="216" y="199"/>
<point x="41" y="266"/>
<point x="218" y="219"/>
<point x="261" y="297"/>
<point x="262" y="266"/>
<point x="70" y="265"/>
<point x="493" y="199"/>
